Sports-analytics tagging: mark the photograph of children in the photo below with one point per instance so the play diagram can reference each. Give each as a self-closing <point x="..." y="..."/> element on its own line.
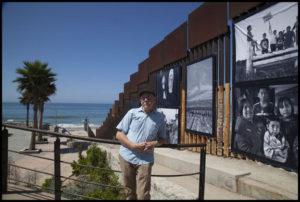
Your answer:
<point x="171" y="124"/>
<point x="167" y="87"/>
<point x="200" y="97"/>
<point x="266" y="123"/>
<point x="266" y="45"/>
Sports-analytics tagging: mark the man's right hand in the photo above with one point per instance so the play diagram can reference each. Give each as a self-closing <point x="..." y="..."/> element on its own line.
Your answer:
<point x="139" y="146"/>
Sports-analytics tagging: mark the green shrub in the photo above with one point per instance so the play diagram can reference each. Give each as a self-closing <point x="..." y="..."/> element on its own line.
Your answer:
<point x="102" y="174"/>
<point x="48" y="184"/>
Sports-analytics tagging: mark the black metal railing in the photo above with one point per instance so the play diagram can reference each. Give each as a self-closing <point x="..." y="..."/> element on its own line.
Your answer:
<point x="57" y="175"/>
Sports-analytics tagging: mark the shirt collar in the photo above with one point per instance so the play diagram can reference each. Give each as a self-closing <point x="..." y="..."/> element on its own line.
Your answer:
<point x="140" y="109"/>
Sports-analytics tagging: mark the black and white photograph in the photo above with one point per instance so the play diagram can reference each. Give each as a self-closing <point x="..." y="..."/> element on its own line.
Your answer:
<point x="200" y="97"/>
<point x="172" y="122"/>
<point x="266" y="123"/>
<point x="266" y="43"/>
<point x="167" y="87"/>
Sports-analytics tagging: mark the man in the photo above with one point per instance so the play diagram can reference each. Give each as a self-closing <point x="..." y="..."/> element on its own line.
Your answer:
<point x="264" y="107"/>
<point x="140" y="130"/>
<point x="273" y="38"/>
<point x="289" y="38"/>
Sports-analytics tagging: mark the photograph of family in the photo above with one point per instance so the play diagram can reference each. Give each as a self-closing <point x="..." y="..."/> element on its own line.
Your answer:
<point x="266" y="43"/>
<point x="266" y="123"/>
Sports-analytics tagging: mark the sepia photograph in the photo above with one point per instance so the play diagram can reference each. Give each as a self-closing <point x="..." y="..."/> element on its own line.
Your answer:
<point x="266" y="43"/>
<point x="167" y="87"/>
<point x="266" y="123"/>
<point x="172" y="122"/>
<point x="200" y="97"/>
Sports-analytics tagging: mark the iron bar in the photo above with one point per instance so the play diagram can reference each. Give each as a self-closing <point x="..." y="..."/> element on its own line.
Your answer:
<point x="57" y="182"/>
<point x="202" y="173"/>
<point x="4" y="161"/>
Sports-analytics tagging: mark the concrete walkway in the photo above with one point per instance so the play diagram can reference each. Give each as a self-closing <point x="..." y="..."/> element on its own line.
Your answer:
<point x="226" y="178"/>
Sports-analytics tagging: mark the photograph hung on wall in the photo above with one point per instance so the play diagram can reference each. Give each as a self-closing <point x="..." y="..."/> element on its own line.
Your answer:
<point x="266" y="43"/>
<point x="167" y="87"/>
<point x="172" y="122"/>
<point x="266" y="124"/>
<point x="200" y="93"/>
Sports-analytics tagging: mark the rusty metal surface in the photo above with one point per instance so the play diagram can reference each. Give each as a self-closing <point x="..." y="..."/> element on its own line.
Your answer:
<point x="207" y="22"/>
<point x="156" y="61"/>
<point x="143" y="86"/>
<point x="152" y="82"/>
<point x="237" y="8"/>
<point x="143" y="71"/>
<point x="126" y="90"/>
<point x="121" y="99"/>
<point x="175" y="44"/>
<point x="134" y="82"/>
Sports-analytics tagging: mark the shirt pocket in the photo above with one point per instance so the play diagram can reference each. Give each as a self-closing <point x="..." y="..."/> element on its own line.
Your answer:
<point x="136" y="124"/>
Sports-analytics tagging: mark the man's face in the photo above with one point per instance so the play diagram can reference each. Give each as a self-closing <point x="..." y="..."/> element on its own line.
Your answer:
<point x="263" y="94"/>
<point x="147" y="102"/>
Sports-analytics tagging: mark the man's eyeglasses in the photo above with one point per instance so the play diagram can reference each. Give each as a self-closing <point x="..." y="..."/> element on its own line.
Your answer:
<point x="148" y="97"/>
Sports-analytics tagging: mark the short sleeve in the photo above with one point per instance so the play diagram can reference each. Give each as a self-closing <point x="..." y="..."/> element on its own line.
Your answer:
<point x="125" y="122"/>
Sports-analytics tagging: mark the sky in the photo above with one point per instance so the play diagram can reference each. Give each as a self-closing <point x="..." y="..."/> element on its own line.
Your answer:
<point x="92" y="47"/>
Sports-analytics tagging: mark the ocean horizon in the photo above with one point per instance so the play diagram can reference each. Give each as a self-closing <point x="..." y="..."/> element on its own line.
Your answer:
<point x="67" y="115"/>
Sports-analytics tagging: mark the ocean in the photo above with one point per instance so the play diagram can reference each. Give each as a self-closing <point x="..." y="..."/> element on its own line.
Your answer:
<point x="66" y="115"/>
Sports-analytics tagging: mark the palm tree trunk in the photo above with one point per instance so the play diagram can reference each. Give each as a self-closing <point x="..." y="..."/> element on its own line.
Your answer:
<point x="41" y="109"/>
<point x="27" y="115"/>
<point x="35" y="120"/>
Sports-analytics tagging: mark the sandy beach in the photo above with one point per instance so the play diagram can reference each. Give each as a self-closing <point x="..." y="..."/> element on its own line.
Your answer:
<point x="67" y="154"/>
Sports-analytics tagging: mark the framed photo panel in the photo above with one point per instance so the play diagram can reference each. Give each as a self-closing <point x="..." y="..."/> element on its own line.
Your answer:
<point x="172" y="123"/>
<point x="167" y="87"/>
<point x="266" y="43"/>
<point x="200" y="97"/>
<point x="266" y="123"/>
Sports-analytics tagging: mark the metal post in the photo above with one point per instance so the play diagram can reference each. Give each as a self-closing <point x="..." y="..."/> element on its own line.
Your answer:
<point x="57" y="182"/>
<point x="4" y="152"/>
<point x="202" y="173"/>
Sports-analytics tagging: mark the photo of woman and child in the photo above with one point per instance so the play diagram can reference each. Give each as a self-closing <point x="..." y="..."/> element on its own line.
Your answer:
<point x="265" y="129"/>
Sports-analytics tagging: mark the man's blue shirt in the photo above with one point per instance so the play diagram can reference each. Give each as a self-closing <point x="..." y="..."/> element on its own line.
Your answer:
<point x="141" y="127"/>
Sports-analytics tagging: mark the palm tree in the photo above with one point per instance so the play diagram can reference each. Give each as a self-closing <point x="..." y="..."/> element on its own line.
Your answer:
<point x="25" y="100"/>
<point x="50" y="89"/>
<point x="38" y="82"/>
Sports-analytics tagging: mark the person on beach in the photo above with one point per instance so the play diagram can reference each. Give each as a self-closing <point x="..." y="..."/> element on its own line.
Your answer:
<point x="140" y="130"/>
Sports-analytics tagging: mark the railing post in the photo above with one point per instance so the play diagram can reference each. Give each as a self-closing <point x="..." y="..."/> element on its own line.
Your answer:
<point x="202" y="173"/>
<point x="4" y="153"/>
<point x="57" y="181"/>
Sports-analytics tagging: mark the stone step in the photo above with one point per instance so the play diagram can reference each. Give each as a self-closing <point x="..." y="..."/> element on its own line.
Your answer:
<point x="246" y="177"/>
